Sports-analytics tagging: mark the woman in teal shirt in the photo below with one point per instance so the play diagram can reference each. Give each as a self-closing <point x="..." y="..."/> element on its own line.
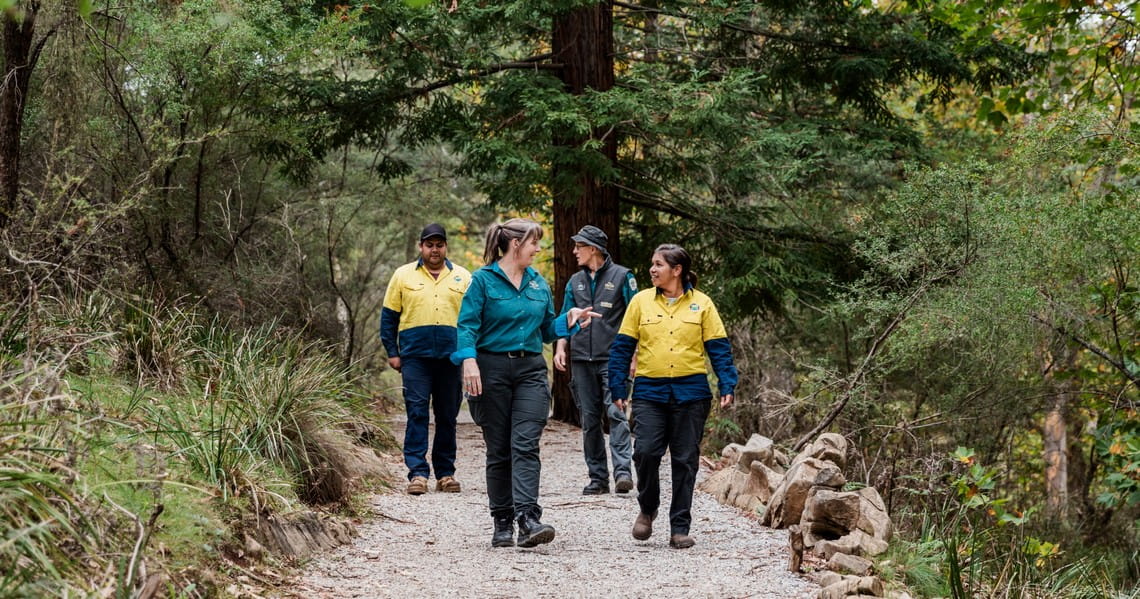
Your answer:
<point x="506" y="317"/>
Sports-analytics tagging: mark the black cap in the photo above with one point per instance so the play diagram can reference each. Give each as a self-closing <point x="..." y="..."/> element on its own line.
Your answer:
<point x="592" y="235"/>
<point x="433" y="230"/>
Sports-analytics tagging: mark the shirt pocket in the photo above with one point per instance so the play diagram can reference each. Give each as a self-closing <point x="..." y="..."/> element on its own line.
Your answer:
<point x="690" y="330"/>
<point x="500" y="294"/>
<point x="650" y="322"/>
<point x="536" y="295"/>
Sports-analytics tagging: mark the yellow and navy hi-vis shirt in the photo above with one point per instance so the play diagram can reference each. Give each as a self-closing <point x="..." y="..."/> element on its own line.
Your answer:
<point x="672" y="341"/>
<point x="420" y="311"/>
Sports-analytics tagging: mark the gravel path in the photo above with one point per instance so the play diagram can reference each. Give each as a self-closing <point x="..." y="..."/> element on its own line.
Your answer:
<point x="438" y="544"/>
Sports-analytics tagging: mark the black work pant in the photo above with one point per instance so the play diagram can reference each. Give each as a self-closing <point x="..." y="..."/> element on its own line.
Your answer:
<point x="512" y="413"/>
<point x="678" y="427"/>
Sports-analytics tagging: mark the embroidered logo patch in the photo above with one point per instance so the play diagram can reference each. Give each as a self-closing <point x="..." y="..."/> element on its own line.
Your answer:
<point x="694" y="307"/>
<point x="633" y="283"/>
<point x="606" y="305"/>
<point x="458" y="279"/>
<point x="609" y="286"/>
<point x="534" y="285"/>
<point x="581" y="287"/>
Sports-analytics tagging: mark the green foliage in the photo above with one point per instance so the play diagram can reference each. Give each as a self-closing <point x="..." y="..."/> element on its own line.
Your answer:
<point x="45" y="521"/>
<point x="988" y="552"/>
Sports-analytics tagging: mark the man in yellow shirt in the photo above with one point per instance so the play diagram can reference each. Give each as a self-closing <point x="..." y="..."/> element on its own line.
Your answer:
<point x="417" y="328"/>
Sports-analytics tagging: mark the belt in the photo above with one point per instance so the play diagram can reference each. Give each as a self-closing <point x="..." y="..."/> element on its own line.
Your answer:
<point x="512" y="354"/>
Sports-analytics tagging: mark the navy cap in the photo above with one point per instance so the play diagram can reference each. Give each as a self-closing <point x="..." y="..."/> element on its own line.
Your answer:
<point x="433" y="230"/>
<point x="592" y="235"/>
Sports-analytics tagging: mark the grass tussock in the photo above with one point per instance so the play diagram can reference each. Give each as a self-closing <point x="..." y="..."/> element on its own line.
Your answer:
<point x="135" y="435"/>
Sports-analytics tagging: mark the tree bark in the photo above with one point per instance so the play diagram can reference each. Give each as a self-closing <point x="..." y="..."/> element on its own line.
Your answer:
<point x="583" y="45"/>
<point x="20" y="55"/>
<point x="1054" y="436"/>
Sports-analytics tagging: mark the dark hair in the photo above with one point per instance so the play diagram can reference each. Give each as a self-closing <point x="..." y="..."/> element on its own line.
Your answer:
<point x="675" y="255"/>
<point x="499" y="237"/>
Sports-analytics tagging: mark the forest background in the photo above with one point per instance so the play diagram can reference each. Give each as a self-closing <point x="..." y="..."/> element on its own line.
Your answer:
<point x="918" y="218"/>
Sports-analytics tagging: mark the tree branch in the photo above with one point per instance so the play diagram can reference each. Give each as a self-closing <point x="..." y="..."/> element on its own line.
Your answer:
<point x="854" y="381"/>
<point x="531" y="62"/>
<point x="1104" y="355"/>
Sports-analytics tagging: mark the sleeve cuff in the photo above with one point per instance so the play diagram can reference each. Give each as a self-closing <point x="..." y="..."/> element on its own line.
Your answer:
<point x="457" y="357"/>
<point x="560" y="329"/>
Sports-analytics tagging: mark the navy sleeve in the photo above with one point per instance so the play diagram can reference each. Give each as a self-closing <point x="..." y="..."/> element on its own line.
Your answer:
<point x="720" y="354"/>
<point x="621" y="355"/>
<point x="389" y="331"/>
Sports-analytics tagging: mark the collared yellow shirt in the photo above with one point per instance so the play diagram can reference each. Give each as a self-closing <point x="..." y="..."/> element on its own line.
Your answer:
<point x="420" y="311"/>
<point x="671" y="338"/>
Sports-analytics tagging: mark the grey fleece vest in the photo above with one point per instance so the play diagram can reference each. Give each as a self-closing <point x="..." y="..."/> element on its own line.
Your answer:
<point x="608" y="299"/>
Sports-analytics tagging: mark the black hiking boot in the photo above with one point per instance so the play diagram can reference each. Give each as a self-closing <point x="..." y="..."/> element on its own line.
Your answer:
<point x="596" y="487"/>
<point x="504" y="532"/>
<point x="532" y="532"/>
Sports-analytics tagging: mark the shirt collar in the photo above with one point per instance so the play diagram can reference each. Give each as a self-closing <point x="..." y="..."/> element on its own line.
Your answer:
<point x="446" y="263"/>
<point x="604" y="266"/>
<point x="528" y="275"/>
<point x="686" y="288"/>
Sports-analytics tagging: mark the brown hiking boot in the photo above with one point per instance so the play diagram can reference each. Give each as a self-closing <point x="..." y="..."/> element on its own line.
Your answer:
<point x="681" y="541"/>
<point x="447" y="484"/>
<point x="643" y="526"/>
<point x="417" y="486"/>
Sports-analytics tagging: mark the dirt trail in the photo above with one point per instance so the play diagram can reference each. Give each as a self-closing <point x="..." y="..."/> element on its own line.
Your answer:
<point x="439" y="544"/>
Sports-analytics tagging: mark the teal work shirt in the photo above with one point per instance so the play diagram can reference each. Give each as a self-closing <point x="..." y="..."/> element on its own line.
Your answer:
<point x="497" y="317"/>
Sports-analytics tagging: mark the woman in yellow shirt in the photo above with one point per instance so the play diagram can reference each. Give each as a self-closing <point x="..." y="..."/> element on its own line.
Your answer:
<point x="676" y="332"/>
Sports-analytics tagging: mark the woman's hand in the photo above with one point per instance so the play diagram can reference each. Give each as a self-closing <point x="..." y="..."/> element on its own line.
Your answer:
<point x="472" y="383"/>
<point x="581" y="316"/>
<point x="726" y="400"/>
<point x="560" y="356"/>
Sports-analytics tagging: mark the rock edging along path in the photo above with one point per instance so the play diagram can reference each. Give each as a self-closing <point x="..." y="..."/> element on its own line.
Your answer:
<point x="438" y="544"/>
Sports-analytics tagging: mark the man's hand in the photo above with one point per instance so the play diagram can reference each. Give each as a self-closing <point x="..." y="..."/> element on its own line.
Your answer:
<point x="472" y="383"/>
<point x="395" y="363"/>
<point x="620" y="403"/>
<point x="726" y="400"/>
<point x="581" y="316"/>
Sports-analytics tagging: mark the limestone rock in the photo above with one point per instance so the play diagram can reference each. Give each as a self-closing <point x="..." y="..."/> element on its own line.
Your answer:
<point x="830" y="477"/>
<point x="764" y="481"/>
<point x="855" y="542"/>
<point x="731" y="452"/>
<point x="873" y="516"/>
<point x="829" y="514"/>
<point x="787" y="503"/>
<point x="849" y="564"/>
<point x="830" y="447"/>
<point x="758" y="449"/>
<point x="732" y="487"/>
<point x="829" y="578"/>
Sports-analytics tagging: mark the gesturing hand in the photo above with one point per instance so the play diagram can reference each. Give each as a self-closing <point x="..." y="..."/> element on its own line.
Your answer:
<point x="581" y="316"/>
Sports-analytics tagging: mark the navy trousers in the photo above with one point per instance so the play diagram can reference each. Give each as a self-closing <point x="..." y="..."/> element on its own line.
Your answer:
<point x="435" y="383"/>
<point x="678" y="427"/>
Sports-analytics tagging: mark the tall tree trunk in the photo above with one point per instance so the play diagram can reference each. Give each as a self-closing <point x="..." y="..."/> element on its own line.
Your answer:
<point x="20" y="54"/>
<point x="1055" y="437"/>
<point x="583" y="43"/>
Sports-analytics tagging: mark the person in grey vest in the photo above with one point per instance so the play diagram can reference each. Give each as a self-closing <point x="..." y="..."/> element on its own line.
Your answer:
<point x="607" y="287"/>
